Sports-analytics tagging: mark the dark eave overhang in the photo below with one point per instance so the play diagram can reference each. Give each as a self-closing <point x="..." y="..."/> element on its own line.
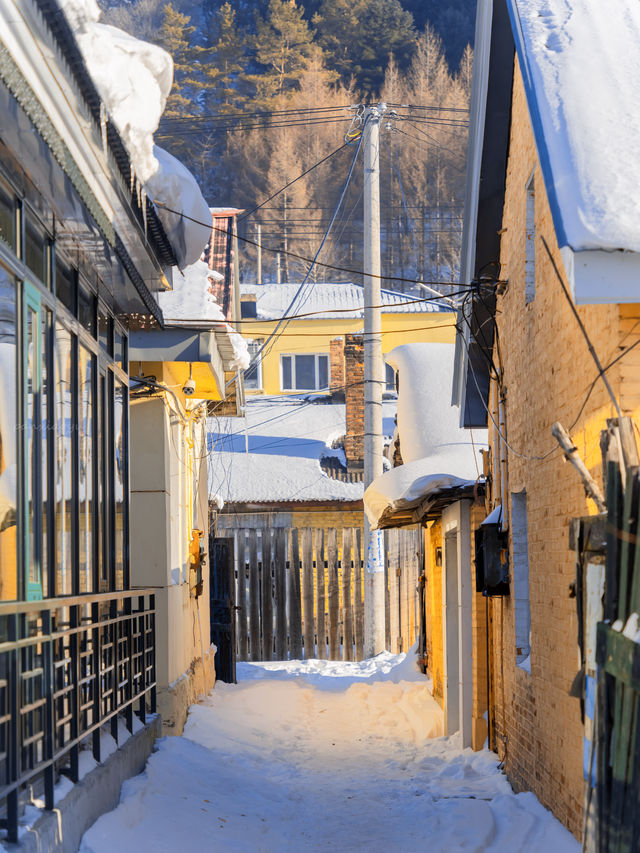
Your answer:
<point x="58" y="25"/>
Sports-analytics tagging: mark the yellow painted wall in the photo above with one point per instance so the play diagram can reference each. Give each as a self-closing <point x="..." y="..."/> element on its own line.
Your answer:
<point x="314" y="336"/>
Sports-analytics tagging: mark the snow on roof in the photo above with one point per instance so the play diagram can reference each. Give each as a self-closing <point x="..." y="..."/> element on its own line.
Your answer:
<point x="191" y="303"/>
<point x="581" y="67"/>
<point x="133" y="79"/>
<point x="438" y="454"/>
<point x="286" y="439"/>
<point x="330" y="300"/>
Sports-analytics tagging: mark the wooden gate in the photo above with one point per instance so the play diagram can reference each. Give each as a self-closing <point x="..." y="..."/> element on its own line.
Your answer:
<point x="300" y="592"/>
<point x="613" y="805"/>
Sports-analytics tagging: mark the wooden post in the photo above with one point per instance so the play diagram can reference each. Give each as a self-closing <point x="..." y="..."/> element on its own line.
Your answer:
<point x="387" y="607"/>
<point x="334" y="601"/>
<point x="321" y="630"/>
<point x="241" y="597"/>
<point x="281" y="592"/>
<point x="267" y="594"/>
<point x="347" y="612"/>
<point x="295" y="618"/>
<point x="307" y="592"/>
<point x="358" y="622"/>
<point x="254" y="596"/>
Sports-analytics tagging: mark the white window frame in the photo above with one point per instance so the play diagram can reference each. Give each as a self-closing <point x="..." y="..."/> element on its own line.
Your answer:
<point x="259" y="387"/>
<point x="317" y="356"/>
<point x="530" y="241"/>
<point x="520" y="578"/>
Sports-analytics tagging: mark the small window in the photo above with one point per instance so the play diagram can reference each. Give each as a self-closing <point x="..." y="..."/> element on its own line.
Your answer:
<point x="520" y="591"/>
<point x="7" y="217"/>
<point x="105" y="328"/>
<point x="530" y="247"/>
<point x="87" y="311"/>
<point x="253" y="376"/>
<point x="390" y="378"/>
<point x="66" y="289"/>
<point x="305" y="372"/>
<point x="35" y="248"/>
<point x="119" y="347"/>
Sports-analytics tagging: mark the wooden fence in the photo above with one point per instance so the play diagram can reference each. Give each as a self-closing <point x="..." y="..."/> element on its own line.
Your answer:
<point x="300" y="592"/>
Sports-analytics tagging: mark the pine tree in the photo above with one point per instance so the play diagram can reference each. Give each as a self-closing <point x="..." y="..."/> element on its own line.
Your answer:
<point x="176" y="38"/>
<point x="226" y="63"/>
<point x="283" y="46"/>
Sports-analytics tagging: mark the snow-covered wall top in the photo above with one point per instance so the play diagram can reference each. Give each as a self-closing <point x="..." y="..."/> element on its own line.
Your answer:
<point x="133" y="79"/>
<point x="581" y="67"/>
<point x="437" y="453"/>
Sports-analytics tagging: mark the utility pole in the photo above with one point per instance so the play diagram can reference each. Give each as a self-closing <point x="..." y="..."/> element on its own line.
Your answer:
<point x="259" y="252"/>
<point x="278" y="273"/>
<point x="374" y="597"/>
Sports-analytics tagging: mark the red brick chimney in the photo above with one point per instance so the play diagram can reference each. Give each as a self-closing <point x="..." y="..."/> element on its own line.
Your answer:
<point x="354" y="400"/>
<point x="336" y="361"/>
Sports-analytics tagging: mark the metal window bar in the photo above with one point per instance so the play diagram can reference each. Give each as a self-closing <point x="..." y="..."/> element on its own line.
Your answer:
<point x="68" y="666"/>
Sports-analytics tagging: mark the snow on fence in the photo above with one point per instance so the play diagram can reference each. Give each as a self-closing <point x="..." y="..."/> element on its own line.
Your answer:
<point x="300" y="592"/>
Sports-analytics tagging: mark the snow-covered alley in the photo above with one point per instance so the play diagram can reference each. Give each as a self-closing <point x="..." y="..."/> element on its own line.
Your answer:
<point x="322" y="755"/>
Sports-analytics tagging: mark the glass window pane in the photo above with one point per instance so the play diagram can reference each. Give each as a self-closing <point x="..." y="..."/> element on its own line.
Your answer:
<point x="286" y="373"/>
<point x="32" y="444"/>
<point x="390" y="378"/>
<point x="305" y="372"/>
<point x="323" y="372"/>
<point x="119" y="347"/>
<point x="87" y="310"/>
<point x="66" y="285"/>
<point x="104" y="509"/>
<point x="8" y="438"/>
<point x="64" y="486"/>
<point x="253" y="377"/>
<point x="35" y="249"/>
<point x="47" y="508"/>
<point x="85" y="469"/>
<point x="120" y="480"/>
<point x="104" y="329"/>
<point x="7" y="217"/>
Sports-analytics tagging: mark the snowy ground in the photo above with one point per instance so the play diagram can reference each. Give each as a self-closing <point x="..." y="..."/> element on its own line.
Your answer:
<point x="323" y="756"/>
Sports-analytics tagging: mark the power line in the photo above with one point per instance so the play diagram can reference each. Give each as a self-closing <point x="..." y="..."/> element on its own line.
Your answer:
<point x="298" y="257"/>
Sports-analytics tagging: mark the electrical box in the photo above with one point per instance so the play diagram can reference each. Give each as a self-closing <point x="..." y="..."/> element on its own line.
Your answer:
<point x="197" y="559"/>
<point x="492" y="556"/>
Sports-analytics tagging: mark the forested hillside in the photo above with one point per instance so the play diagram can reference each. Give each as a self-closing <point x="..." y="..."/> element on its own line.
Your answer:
<point x="264" y="91"/>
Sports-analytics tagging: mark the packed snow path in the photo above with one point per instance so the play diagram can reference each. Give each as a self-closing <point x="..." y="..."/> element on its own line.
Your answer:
<point x="323" y="756"/>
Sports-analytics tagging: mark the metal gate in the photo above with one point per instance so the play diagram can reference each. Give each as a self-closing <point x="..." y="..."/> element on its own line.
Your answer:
<point x="222" y="607"/>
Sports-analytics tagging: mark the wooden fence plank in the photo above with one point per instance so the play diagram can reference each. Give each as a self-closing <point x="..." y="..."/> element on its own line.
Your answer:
<point x="281" y="592"/>
<point x="320" y="596"/>
<point x="334" y="601"/>
<point x="267" y="594"/>
<point x="307" y="593"/>
<point x="254" y="594"/>
<point x="347" y="611"/>
<point x="295" y="618"/>
<point x="241" y="598"/>
<point x="358" y="604"/>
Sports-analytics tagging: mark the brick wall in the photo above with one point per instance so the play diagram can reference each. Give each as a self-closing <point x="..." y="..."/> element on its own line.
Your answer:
<point x="354" y="399"/>
<point x="547" y="375"/>
<point x="336" y="363"/>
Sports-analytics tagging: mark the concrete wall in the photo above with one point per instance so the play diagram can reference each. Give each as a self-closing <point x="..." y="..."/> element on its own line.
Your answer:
<point x="168" y="501"/>
<point x="547" y="375"/>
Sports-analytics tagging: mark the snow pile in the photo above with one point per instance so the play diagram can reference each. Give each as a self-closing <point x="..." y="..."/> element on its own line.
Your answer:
<point x="181" y="207"/>
<point x="583" y="64"/>
<point x="241" y="358"/>
<point x="133" y="79"/>
<point x="190" y="298"/>
<point x="437" y="453"/>
<point x="332" y="760"/>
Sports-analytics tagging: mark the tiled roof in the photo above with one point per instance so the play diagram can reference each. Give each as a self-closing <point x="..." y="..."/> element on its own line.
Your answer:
<point x="331" y="300"/>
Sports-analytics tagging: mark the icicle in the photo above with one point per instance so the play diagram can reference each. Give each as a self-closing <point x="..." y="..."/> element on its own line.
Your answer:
<point x="143" y="194"/>
<point x="133" y="179"/>
<point x="103" y="127"/>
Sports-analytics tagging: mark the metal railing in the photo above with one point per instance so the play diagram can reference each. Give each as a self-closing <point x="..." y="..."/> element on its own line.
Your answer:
<point x="68" y="666"/>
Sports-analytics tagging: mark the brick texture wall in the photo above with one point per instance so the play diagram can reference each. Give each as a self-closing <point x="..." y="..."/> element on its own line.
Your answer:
<point x="336" y="364"/>
<point x="354" y="399"/>
<point x="547" y="375"/>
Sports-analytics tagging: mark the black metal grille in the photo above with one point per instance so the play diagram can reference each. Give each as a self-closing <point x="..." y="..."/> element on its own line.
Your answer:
<point x="68" y="666"/>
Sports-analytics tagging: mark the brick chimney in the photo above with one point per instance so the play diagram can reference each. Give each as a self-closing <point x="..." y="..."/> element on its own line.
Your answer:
<point x="354" y="400"/>
<point x="336" y="360"/>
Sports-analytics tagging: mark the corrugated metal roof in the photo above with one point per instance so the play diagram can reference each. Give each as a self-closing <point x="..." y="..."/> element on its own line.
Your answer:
<point x="331" y="300"/>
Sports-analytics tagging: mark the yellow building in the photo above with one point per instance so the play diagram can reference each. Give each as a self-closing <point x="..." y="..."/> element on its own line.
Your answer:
<point x="298" y="359"/>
